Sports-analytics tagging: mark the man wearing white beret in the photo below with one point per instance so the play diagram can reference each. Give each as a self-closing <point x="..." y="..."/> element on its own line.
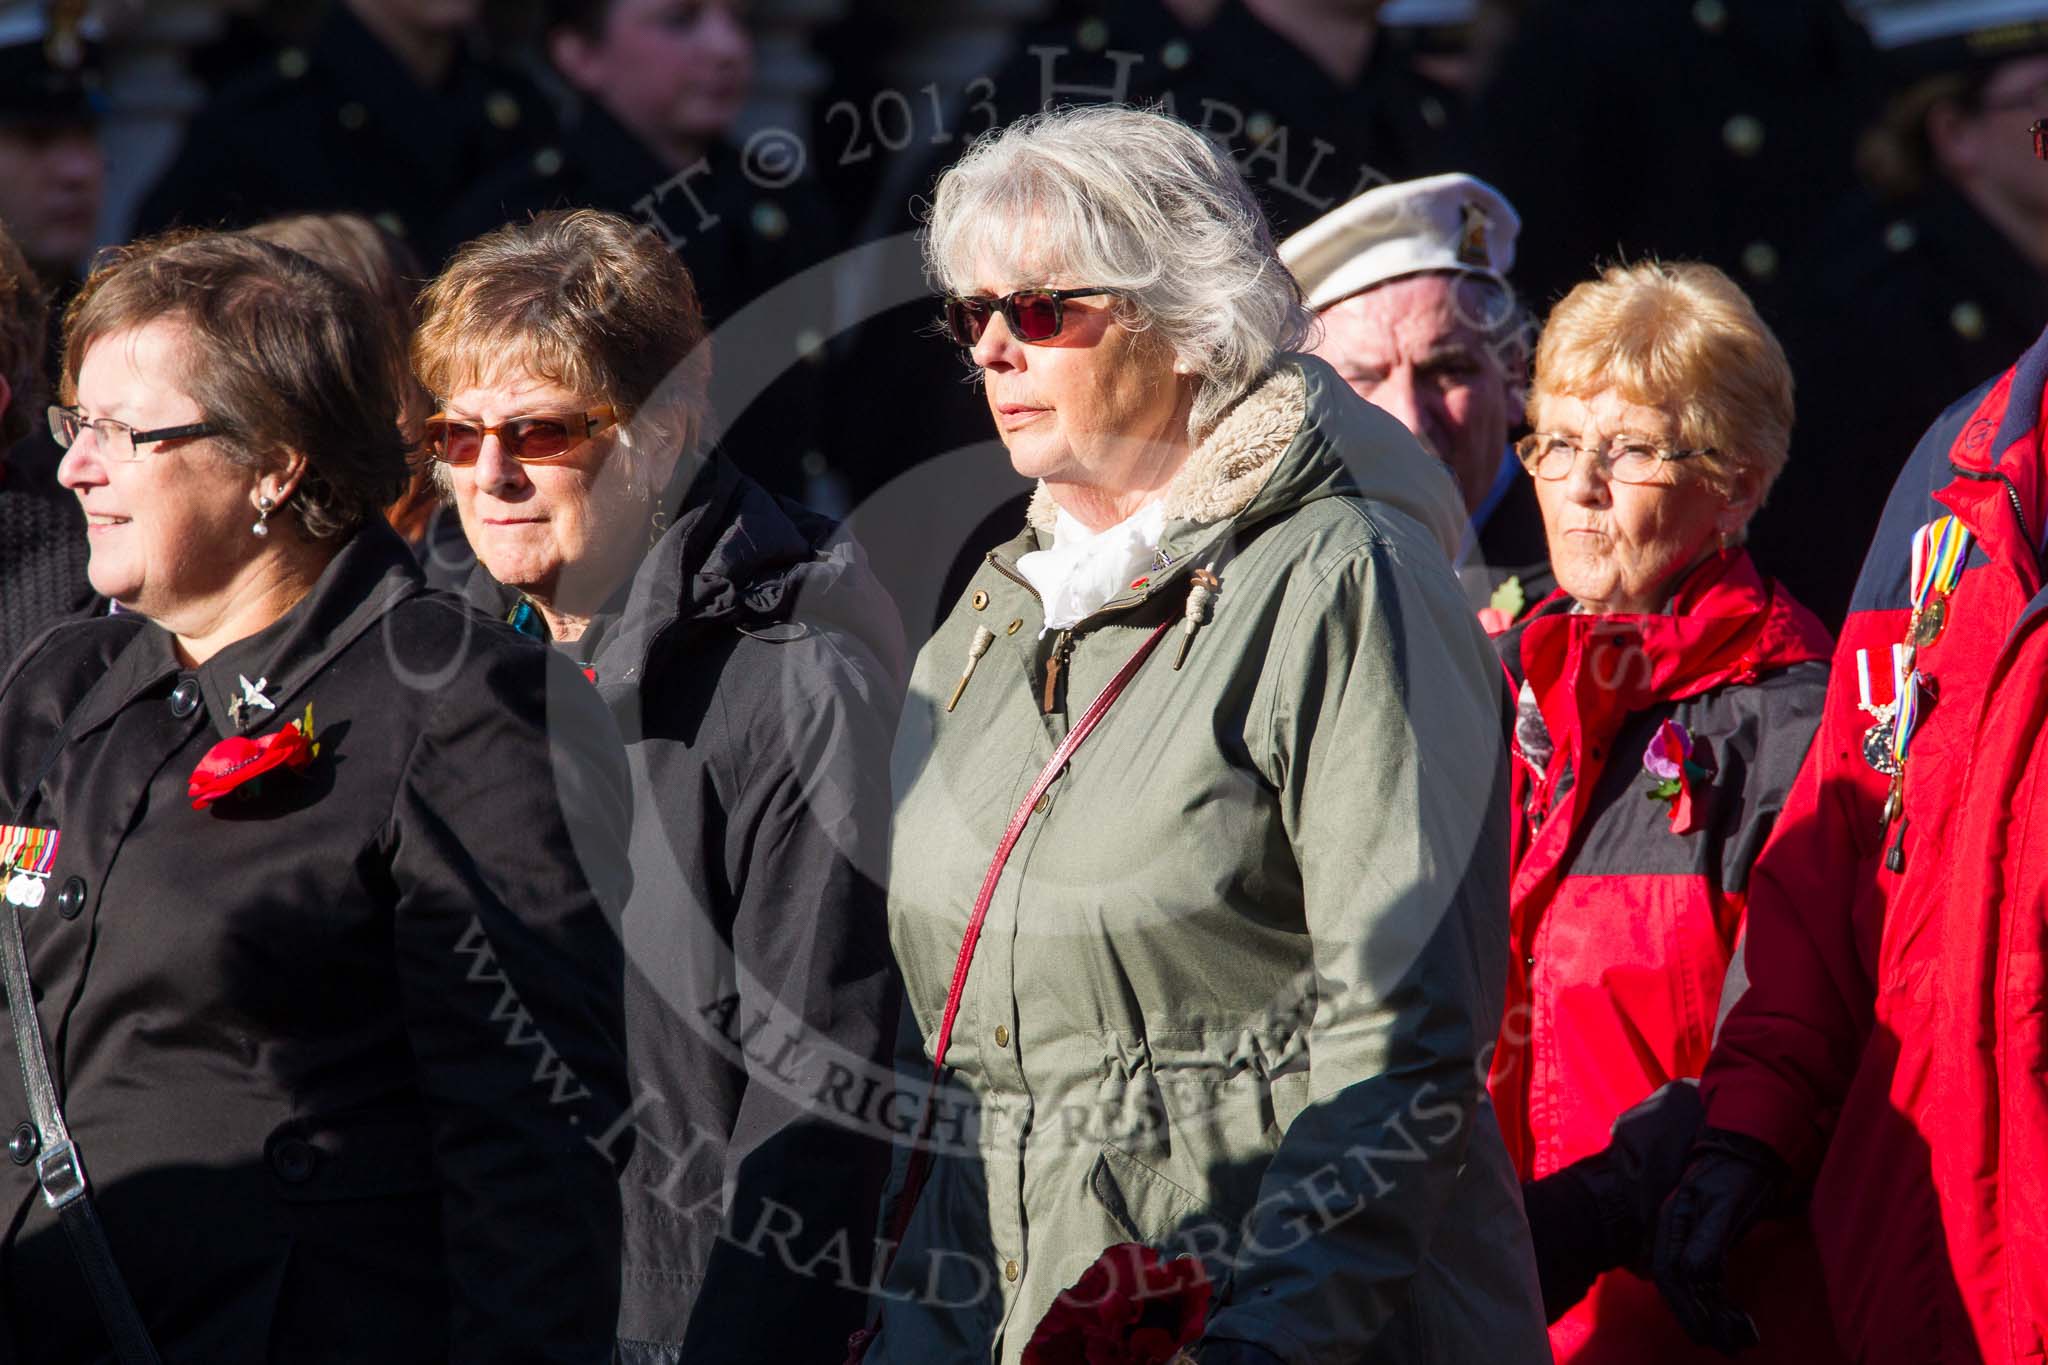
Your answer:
<point x="1410" y="283"/>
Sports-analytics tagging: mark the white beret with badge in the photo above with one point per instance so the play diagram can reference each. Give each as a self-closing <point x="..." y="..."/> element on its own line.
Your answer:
<point x="1935" y="35"/>
<point x="1428" y="13"/>
<point x="1452" y="222"/>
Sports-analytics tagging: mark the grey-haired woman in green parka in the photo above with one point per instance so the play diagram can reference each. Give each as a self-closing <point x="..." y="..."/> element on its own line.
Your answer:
<point x="1236" y="984"/>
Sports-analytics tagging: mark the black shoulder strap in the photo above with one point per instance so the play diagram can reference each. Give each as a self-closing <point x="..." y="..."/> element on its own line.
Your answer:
<point x="60" y="1170"/>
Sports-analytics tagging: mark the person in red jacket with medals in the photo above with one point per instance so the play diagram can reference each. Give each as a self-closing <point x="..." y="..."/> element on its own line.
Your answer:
<point x="1892" y="1048"/>
<point x="1667" y="694"/>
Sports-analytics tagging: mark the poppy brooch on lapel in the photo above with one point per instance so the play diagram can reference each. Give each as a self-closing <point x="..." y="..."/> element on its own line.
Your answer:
<point x="237" y="761"/>
<point x="1130" y="1308"/>
<point x="1504" y="606"/>
<point x="1673" y="775"/>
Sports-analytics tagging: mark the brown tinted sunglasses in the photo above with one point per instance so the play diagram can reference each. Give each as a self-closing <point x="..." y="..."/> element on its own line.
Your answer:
<point x="538" y="438"/>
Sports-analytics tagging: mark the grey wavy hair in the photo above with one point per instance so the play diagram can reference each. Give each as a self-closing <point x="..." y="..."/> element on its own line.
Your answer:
<point x="1137" y="202"/>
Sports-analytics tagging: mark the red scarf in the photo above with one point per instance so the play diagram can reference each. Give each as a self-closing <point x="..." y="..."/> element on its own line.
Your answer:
<point x="1727" y="625"/>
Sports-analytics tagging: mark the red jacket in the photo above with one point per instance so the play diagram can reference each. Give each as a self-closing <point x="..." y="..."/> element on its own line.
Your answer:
<point x="1625" y="912"/>
<point x="1895" y="1032"/>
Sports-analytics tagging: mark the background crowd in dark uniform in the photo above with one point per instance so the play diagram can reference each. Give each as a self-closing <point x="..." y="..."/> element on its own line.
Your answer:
<point x="1826" y="153"/>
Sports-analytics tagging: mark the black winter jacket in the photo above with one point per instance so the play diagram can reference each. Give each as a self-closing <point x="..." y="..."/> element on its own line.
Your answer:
<point x="755" y="668"/>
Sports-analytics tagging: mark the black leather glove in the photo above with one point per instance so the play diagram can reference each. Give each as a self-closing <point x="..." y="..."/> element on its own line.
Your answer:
<point x="1730" y="1182"/>
<point x="1600" y="1212"/>
<point x="1650" y="1146"/>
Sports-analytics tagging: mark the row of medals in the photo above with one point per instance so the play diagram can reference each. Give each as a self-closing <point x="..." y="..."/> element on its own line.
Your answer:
<point x="1878" y="751"/>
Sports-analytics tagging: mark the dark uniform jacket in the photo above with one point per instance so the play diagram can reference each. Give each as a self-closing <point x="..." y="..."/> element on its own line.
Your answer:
<point x="1720" y="131"/>
<point x="343" y="126"/>
<point x="1903" y="306"/>
<point x="42" y="555"/>
<point x="1305" y="142"/>
<point x="756" y="672"/>
<point x="741" y="230"/>
<point x="331" y="1050"/>
<point x="1510" y="545"/>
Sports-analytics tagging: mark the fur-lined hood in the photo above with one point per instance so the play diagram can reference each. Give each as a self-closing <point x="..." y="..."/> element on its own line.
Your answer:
<point x="1301" y="434"/>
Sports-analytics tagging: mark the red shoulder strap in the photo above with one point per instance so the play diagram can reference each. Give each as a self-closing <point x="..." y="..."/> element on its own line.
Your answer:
<point x="919" y="1170"/>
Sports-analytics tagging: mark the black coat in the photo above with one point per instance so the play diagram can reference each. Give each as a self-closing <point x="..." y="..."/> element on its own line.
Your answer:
<point x="42" y="553"/>
<point x="332" y="1049"/>
<point x="1512" y="544"/>
<point x="1305" y="142"/>
<point x="1722" y="132"/>
<point x="343" y="126"/>
<point x="1903" y="305"/>
<point x="756" y="671"/>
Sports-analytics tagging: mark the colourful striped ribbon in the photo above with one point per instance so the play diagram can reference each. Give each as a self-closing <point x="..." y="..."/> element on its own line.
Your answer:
<point x="1908" y="716"/>
<point x="28" y="848"/>
<point x="1939" y="550"/>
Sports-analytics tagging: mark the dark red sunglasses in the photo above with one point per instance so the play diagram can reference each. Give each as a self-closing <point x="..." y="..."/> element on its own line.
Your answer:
<point x="540" y="439"/>
<point x="1033" y="314"/>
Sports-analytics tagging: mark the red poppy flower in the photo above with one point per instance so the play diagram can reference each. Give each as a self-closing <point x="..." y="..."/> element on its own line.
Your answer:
<point x="1131" y="1308"/>
<point x="238" y="760"/>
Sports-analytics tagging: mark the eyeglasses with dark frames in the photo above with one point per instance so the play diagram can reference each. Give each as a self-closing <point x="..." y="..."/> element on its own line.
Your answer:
<point x="118" y="440"/>
<point x="536" y="438"/>
<point x="1034" y="315"/>
<point x="1552" y="455"/>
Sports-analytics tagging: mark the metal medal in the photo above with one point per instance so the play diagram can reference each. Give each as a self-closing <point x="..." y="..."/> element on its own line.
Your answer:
<point x="1877" y="748"/>
<point x="1929" y="619"/>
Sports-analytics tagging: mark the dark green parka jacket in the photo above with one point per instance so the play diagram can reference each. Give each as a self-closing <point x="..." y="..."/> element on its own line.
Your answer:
<point x="1240" y="979"/>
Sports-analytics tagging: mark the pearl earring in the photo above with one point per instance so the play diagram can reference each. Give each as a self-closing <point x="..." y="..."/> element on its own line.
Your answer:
<point x="263" y="509"/>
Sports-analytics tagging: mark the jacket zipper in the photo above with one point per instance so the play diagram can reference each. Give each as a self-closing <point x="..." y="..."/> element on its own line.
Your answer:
<point x="1061" y="648"/>
<point x="2012" y="495"/>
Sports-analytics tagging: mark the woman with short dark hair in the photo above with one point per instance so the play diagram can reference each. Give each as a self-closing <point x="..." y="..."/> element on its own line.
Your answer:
<point x="313" y="999"/>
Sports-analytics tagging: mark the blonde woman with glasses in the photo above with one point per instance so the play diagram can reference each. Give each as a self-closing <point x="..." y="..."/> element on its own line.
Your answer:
<point x="1667" y="693"/>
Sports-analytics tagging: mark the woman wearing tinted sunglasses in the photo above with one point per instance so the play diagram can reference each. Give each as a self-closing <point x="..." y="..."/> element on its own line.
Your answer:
<point x="1256" y="919"/>
<point x="754" y="667"/>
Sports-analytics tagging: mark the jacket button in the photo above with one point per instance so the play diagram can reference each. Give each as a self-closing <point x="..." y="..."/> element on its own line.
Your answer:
<point x="1011" y="1270"/>
<point x="1002" y="1035"/>
<point x="23" y="1144"/>
<point x="1530" y="962"/>
<point x="293" y="1159"/>
<point x="979" y="601"/>
<point x="71" y="899"/>
<point x="1744" y="134"/>
<point x="185" y="698"/>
